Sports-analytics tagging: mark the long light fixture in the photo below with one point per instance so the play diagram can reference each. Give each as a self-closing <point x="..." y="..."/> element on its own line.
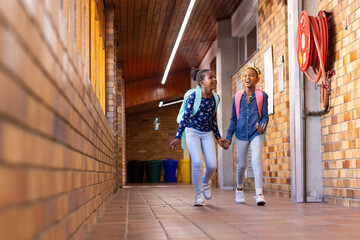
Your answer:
<point x="162" y="104"/>
<point x="178" y="39"/>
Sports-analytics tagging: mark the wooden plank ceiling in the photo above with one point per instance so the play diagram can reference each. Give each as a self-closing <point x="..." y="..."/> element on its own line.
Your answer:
<point x="146" y="32"/>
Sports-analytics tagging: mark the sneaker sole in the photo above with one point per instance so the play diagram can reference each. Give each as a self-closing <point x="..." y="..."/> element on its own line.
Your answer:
<point x="261" y="203"/>
<point x="240" y="202"/>
<point x="199" y="204"/>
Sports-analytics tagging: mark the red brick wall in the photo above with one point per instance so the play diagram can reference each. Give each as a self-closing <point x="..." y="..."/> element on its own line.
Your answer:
<point x="144" y="143"/>
<point x="341" y="127"/>
<point x="115" y="109"/>
<point x="56" y="146"/>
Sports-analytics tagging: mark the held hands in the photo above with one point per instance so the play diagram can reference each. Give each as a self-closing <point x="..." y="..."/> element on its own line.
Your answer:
<point x="224" y="143"/>
<point x="261" y="130"/>
<point x="173" y="143"/>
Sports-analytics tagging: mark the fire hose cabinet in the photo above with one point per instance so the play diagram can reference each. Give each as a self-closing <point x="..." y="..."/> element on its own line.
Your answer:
<point x="312" y="50"/>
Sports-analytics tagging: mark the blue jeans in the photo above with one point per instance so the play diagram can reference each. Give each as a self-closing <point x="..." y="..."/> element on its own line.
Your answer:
<point x="197" y="143"/>
<point x="242" y="148"/>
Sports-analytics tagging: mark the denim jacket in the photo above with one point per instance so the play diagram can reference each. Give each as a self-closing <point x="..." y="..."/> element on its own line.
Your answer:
<point x="249" y="115"/>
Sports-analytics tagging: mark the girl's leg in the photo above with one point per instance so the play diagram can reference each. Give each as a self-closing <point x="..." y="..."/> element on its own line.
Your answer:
<point x="256" y="159"/>
<point x="208" y="146"/>
<point x="194" y="146"/>
<point x="242" y="148"/>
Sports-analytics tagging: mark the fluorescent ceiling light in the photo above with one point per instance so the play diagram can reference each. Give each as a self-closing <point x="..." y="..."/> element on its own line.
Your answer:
<point x="169" y="103"/>
<point x="178" y="39"/>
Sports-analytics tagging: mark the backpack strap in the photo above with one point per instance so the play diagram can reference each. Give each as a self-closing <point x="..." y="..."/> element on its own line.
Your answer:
<point x="217" y="99"/>
<point x="198" y="95"/>
<point x="238" y="96"/>
<point x="182" y="140"/>
<point x="259" y="99"/>
<point x="183" y="105"/>
<point x="196" y="106"/>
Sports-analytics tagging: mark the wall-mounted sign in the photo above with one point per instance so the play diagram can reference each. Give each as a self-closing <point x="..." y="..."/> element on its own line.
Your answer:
<point x="269" y="78"/>
<point x="156" y="123"/>
<point x="281" y="73"/>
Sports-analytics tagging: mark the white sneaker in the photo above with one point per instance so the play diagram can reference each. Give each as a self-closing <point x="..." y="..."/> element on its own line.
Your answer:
<point x="240" y="198"/>
<point x="260" y="200"/>
<point x="199" y="200"/>
<point x="207" y="191"/>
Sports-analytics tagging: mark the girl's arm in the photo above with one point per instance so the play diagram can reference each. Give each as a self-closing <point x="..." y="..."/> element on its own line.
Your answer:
<point x="233" y="120"/>
<point x="215" y="128"/>
<point x="173" y="143"/>
<point x="186" y="116"/>
<point x="221" y="141"/>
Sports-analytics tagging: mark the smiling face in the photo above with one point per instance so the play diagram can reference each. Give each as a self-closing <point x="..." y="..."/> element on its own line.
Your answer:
<point x="250" y="78"/>
<point x="209" y="81"/>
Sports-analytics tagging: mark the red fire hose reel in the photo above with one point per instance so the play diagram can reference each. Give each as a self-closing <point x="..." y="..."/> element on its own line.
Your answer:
<point x="312" y="49"/>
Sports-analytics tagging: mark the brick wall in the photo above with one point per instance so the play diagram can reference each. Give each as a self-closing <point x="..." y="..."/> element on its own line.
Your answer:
<point x="341" y="127"/>
<point x="144" y="143"/>
<point x="115" y="109"/>
<point x="120" y="125"/>
<point x="110" y="79"/>
<point x="56" y="147"/>
<point x="110" y="67"/>
<point x="272" y="25"/>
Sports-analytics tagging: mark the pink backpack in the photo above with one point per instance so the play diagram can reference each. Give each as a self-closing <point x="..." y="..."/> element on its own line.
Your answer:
<point x="259" y="100"/>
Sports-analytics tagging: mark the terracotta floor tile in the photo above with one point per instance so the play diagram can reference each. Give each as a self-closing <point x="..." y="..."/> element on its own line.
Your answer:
<point x="189" y="234"/>
<point x="166" y="211"/>
<point x="187" y="238"/>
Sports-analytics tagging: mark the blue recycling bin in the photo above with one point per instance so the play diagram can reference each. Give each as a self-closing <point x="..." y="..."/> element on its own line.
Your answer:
<point x="170" y="167"/>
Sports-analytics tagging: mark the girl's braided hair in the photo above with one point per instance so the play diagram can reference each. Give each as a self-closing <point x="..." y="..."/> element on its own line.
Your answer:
<point x="198" y="75"/>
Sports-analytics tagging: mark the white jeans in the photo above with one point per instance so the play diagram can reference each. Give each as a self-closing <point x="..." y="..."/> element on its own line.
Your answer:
<point x="197" y="143"/>
<point x="242" y="148"/>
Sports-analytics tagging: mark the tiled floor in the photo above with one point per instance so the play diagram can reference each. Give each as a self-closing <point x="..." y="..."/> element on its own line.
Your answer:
<point x="167" y="212"/>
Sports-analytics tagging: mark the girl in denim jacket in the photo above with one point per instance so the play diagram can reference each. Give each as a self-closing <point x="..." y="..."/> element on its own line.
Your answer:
<point x="249" y="125"/>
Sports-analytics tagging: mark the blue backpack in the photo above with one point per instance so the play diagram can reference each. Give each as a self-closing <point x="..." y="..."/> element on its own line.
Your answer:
<point x="195" y="108"/>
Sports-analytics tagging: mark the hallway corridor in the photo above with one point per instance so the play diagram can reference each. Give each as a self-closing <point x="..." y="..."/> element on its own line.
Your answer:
<point x="83" y="98"/>
<point x="166" y="212"/>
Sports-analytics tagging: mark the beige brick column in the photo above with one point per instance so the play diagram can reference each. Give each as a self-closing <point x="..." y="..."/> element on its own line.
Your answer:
<point x="110" y="67"/>
<point x="111" y="80"/>
<point x="120" y="124"/>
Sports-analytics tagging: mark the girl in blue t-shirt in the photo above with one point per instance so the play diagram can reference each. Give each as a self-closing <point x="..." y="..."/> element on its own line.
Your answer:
<point x="249" y="125"/>
<point x="198" y="132"/>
